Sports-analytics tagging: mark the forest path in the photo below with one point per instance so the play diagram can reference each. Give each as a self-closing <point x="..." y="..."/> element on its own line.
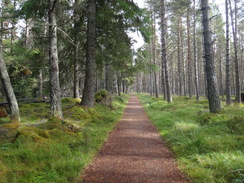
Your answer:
<point x="134" y="153"/>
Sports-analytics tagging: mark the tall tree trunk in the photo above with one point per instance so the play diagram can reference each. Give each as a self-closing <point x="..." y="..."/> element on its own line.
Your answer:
<point x="55" y="92"/>
<point x="119" y="83"/>
<point x="195" y="53"/>
<point x="221" y="85"/>
<point x="88" y="92"/>
<point x="154" y="57"/>
<point x="213" y="96"/>
<point x="6" y="83"/>
<point x="76" y="93"/>
<point x="228" y="82"/>
<point x="189" y="54"/>
<point x="13" y="27"/>
<point x="237" y="73"/>
<point x="179" y="57"/>
<point x="164" y="53"/>
<point x="183" y="64"/>
<point x="109" y="77"/>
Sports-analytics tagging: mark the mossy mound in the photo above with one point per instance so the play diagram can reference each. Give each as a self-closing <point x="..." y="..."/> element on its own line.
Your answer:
<point x="8" y="132"/>
<point x="78" y="113"/>
<point x="103" y="97"/>
<point x="3" y="172"/>
<point x="55" y="122"/>
<point x="71" y="100"/>
<point x="32" y="134"/>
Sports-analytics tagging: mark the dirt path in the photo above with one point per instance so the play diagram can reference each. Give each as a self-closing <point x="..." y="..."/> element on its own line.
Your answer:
<point x="134" y="153"/>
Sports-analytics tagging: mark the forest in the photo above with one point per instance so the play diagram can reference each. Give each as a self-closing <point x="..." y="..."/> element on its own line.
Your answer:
<point x="69" y="68"/>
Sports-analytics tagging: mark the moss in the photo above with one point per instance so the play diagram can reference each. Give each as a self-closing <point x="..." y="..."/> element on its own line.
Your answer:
<point x="28" y="134"/>
<point x="71" y="100"/>
<point x="100" y="95"/>
<point x="57" y="150"/>
<point x="8" y="132"/>
<point x="236" y="125"/>
<point x="52" y="123"/>
<point x="78" y="113"/>
<point x="3" y="172"/>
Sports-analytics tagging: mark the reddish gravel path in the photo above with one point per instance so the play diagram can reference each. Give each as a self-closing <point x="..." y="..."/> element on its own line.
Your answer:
<point x="134" y="153"/>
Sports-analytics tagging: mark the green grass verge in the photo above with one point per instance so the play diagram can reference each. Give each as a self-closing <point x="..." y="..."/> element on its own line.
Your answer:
<point x="56" y="151"/>
<point x="209" y="147"/>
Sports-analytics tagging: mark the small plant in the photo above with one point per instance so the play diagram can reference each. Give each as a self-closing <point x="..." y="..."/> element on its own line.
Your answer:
<point x="102" y="97"/>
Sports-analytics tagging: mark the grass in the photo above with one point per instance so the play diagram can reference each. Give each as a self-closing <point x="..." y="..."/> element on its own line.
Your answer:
<point x="209" y="147"/>
<point x="56" y="151"/>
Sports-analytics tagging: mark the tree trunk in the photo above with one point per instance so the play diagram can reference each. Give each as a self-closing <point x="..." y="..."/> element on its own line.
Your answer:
<point x="40" y="83"/>
<point x="221" y="85"/>
<point x="179" y="57"/>
<point x="88" y="92"/>
<point x="213" y="96"/>
<point x="164" y="53"/>
<point x="189" y="54"/>
<point x="29" y="42"/>
<point x="76" y="93"/>
<point x="109" y="77"/>
<point x="7" y="87"/>
<point x="119" y="83"/>
<point x="195" y="53"/>
<point x="237" y="74"/>
<point x="55" y="92"/>
<point x="154" y="57"/>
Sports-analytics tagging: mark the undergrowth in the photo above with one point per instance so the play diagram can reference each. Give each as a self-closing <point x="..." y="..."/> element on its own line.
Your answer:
<point x="209" y="147"/>
<point x="53" y="150"/>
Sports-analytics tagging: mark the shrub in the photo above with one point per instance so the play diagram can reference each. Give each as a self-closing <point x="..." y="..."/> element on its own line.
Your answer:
<point x="103" y="97"/>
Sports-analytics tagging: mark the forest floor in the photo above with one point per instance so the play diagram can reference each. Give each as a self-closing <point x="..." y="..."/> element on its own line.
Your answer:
<point x="134" y="153"/>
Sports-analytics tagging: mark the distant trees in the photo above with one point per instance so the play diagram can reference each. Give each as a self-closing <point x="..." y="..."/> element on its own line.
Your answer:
<point x="186" y="54"/>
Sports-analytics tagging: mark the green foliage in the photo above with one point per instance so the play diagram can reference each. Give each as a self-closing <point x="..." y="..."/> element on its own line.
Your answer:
<point x="209" y="147"/>
<point x="57" y="150"/>
<point x="100" y="95"/>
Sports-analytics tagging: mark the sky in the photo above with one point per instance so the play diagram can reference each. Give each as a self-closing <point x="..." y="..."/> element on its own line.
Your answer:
<point x="136" y="35"/>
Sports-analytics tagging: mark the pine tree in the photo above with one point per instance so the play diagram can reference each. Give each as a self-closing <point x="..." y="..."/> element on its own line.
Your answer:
<point x="88" y="92"/>
<point x="213" y="96"/>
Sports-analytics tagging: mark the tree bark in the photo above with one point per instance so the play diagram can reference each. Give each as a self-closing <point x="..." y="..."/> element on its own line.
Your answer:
<point x="195" y="53"/>
<point x="76" y="93"/>
<point x="213" y="96"/>
<point x="189" y="54"/>
<point x="29" y="42"/>
<point x="88" y="92"/>
<point x="7" y="87"/>
<point x="221" y="85"/>
<point x="55" y="92"/>
<point x="179" y="57"/>
<point x="164" y="52"/>
<point x="154" y="57"/>
<point x="237" y="73"/>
